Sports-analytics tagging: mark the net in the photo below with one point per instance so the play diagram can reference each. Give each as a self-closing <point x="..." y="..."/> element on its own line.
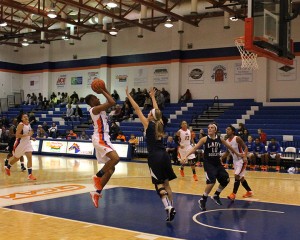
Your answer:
<point x="249" y="59"/>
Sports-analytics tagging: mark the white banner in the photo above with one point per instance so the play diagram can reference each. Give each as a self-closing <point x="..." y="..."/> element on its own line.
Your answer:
<point x="242" y="75"/>
<point x="287" y="73"/>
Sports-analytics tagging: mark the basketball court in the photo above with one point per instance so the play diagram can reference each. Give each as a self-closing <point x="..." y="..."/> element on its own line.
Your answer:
<point x="58" y="205"/>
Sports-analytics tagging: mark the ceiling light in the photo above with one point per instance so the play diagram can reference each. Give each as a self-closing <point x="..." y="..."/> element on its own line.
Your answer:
<point x="233" y="18"/>
<point x="111" y="4"/>
<point x="25" y="43"/>
<point x="52" y="14"/>
<point x="3" y="23"/>
<point x="113" y="31"/>
<point x="168" y="23"/>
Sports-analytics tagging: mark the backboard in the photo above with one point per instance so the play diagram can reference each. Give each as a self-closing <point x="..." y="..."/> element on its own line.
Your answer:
<point x="268" y="30"/>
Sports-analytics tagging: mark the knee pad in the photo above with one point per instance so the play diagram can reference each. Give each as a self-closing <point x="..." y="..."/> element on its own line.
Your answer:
<point x="224" y="181"/>
<point x="161" y="191"/>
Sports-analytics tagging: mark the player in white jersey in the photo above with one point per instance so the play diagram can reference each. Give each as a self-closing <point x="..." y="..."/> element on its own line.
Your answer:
<point x="184" y="146"/>
<point x="240" y="163"/>
<point x="22" y="146"/>
<point x="105" y="152"/>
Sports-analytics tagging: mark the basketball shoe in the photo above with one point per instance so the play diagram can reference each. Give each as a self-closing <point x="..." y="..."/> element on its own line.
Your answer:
<point x="7" y="171"/>
<point x="195" y="177"/>
<point x="97" y="183"/>
<point x="248" y="194"/>
<point x="216" y="199"/>
<point x="170" y="213"/>
<point x="31" y="177"/>
<point x="231" y="197"/>
<point x="181" y="172"/>
<point x="202" y="204"/>
<point x="95" y="198"/>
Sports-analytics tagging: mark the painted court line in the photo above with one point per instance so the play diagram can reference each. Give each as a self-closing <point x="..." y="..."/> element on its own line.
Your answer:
<point x="230" y="209"/>
<point x="98" y="225"/>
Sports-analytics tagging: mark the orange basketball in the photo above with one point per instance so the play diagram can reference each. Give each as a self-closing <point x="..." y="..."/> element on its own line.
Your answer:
<point x="96" y="84"/>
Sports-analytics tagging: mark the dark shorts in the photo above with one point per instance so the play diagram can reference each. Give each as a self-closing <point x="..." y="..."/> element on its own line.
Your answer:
<point x="160" y="167"/>
<point x="11" y="143"/>
<point x="214" y="172"/>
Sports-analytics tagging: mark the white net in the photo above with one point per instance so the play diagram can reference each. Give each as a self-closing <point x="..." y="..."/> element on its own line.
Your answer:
<point x="249" y="59"/>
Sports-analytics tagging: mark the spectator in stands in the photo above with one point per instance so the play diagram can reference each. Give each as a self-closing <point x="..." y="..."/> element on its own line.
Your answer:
<point x="46" y="104"/>
<point x="28" y="99"/>
<point x="262" y="136"/>
<point x="53" y="95"/>
<point x="74" y="97"/>
<point x="147" y="103"/>
<point x="171" y="148"/>
<point x="32" y="119"/>
<point x="186" y="97"/>
<point x="245" y="135"/>
<point x="121" y="137"/>
<point x="251" y="156"/>
<point x="274" y="152"/>
<point x="134" y="142"/>
<point x="68" y="115"/>
<point x="41" y="133"/>
<point x="53" y="130"/>
<point x="4" y="121"/>
<point x="72" y="135"/>
<point x="118" y="115"/>
<point x="202" y="133"/>
<point x="159" y="99"/>
<point x="4" y="135"/>
<point x="126" y="111"/>
<point x="132" y="93"/>
<point x="114" y="131"/>
<point x="259" y="151"/>
<point x="78" y="113"/>
<point x="45" y="126"/>
<point x="139" y="97"/>
<point x="241" y="128"/>
<point x="84" y="136"/>
<point x="40" y="101"/>
<point x="115" y="95"/>
<point x="166" y="95"/>
<point x="33" y="99"/>
<point x="53" y="101"/>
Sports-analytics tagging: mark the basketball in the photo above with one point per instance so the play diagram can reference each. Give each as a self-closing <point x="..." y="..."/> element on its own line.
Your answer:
<point x="96" y="84"/>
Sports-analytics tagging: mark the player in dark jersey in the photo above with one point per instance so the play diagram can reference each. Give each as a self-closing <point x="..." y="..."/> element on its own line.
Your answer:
<point x="159" y="161"/>
<point x="213" y="167"/>
<point x="11" y="142"/>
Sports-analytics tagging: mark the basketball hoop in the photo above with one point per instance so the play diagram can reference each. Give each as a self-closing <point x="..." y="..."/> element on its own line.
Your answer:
<point x="249" y="59"/>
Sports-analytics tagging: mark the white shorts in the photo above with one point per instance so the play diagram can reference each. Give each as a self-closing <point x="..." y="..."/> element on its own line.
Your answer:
<point x="239" y="168"/>
<point x="182" y="152"/>
<point x="102" y="148"/>
<point x="21" y="148"/>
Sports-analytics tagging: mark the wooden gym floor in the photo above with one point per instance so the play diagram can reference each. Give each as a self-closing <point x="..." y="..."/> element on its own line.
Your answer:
<point x="58" y="206"/>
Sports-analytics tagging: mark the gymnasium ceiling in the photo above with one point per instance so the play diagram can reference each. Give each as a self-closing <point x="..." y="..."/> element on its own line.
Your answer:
<point x="76" y="18"/>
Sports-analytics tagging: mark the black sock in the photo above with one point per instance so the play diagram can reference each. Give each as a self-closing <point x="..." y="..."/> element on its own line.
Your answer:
<point x="194" y="171"/>
<point x="217" y="193"/>
<point x="182" y="167"/>
<point x="22" y="164"/>
<point x="204" y="197"/>
<point x="8" y="166"/>
<point x="246" y="186"/>
<point x="236" y="186"/>
<point x="100" y="173"/>
<point x="6" y="162"/>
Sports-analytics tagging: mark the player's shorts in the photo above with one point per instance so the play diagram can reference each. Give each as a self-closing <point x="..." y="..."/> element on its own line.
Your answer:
<point x="182" y="152"/>
<point x="21" y="148"/>
<point x="239" y="168"/>
<point x="214" y="172"/>
<point x="102" y="148"/>
<point x="160" y="167"/>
